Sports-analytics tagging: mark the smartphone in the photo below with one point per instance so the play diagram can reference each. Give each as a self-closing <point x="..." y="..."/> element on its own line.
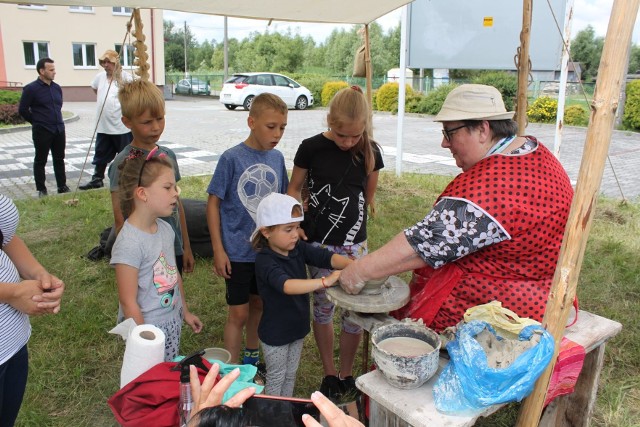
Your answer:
<point x="268" y="411"/>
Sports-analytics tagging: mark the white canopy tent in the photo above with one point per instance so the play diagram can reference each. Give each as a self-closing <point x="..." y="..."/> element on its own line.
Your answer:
<point x="324" y="11"/>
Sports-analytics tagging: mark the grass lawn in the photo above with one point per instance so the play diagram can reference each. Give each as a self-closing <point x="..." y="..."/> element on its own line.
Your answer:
<point x="75" y="363"/>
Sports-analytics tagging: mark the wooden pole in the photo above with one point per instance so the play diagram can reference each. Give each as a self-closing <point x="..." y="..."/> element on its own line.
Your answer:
<point x="523" y="66"/>
<point x="604" y="106"/>
<point x="368" y="75"/>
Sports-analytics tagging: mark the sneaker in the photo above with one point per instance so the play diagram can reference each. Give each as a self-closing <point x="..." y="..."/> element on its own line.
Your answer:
<point x="63" y="189"/>
<point x="94" y="183"/>
<point x="261" y="376"/>
<point x="331" y="387"/>
<point x="349" y="389"/>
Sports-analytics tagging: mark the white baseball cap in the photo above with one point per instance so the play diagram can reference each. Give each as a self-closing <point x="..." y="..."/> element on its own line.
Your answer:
<point x="276" y="209"/>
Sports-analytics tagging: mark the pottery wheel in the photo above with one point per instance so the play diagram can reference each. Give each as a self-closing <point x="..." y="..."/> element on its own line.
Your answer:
<point x="394" y="294"/>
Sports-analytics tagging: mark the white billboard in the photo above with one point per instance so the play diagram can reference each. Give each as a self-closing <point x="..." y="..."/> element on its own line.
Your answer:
<point x="482" y="34"/>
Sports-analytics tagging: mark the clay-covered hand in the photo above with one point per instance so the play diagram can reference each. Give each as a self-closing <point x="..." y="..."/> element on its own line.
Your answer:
<point x="211" y="393"/>
<point x="351" y="279"/>
<point x="335" y="416"/>
<point x="332" y="279"/>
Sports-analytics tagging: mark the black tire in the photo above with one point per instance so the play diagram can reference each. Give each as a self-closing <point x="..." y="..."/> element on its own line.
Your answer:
<point x="230" y="107"/>
<point x="247" y="102"/>
<point x="302" y="103"/>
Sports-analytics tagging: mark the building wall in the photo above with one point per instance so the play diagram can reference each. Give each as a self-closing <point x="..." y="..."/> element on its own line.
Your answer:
<point x="61" y="28"/>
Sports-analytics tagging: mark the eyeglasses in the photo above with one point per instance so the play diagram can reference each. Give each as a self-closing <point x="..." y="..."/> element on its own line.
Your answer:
<point x="448" y="132"/>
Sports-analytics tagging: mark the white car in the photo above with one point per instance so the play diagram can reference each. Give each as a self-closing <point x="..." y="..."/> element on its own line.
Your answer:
<point x="241" y="88"/>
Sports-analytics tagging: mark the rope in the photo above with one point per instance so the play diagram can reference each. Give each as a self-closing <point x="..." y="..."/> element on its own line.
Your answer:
<point x="565" y="47"/>
<point x="95" y="128"/>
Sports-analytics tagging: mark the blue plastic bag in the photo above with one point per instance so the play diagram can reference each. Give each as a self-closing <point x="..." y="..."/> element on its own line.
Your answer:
<point x="468" y="384"/>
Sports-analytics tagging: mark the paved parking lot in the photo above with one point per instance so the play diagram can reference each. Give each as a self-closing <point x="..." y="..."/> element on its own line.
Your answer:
<point x="200" y="129"/>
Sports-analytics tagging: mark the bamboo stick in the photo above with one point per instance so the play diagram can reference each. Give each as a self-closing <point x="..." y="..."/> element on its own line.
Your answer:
<point x="604" y="106"/>
<point x="523" y="66"/>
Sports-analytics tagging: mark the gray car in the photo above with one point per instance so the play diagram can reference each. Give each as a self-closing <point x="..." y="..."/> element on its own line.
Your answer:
<point x="192" y="86"/>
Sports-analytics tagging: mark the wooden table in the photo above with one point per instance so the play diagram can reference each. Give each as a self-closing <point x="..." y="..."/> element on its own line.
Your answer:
<point x="393" y="407"/>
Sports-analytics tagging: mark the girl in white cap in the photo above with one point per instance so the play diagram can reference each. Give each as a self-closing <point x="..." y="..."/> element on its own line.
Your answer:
<point x="283" y="285"/>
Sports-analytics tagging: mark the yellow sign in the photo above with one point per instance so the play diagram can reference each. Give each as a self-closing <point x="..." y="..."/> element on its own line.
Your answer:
<point x="488" y="21"/>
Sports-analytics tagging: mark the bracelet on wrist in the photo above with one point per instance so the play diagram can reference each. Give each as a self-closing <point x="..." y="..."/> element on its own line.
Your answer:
<point x="324" y="285"/>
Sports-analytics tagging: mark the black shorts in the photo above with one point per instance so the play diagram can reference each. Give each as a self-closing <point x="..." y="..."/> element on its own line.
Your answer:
<point x="242" y="283"/>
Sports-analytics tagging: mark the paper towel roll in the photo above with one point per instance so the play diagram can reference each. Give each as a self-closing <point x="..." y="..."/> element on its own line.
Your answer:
<point x="145" y="349"/>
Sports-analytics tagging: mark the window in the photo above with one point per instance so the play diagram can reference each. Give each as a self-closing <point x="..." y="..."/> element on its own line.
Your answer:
<point x="32" y="6"/>
<point x="81" y="9"/>
<point x="121" y="10"/>
<point x="34" y="51"/>
<point x="84" y="55"/>
<point x="282" y="81"/>
<point x="126" y="54"/>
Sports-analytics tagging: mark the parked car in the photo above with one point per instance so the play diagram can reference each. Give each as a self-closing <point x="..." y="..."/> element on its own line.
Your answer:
<point x="241" y="88"/>
<point x="192" y="86"/>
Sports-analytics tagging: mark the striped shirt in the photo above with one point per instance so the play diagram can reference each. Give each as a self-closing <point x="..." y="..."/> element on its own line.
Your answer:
<point x="15" y="328"/>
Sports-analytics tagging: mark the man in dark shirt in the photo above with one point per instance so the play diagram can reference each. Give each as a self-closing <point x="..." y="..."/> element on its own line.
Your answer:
<point x="41" y="105"/>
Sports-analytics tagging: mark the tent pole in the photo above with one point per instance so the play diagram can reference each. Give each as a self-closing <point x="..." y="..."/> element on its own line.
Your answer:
<point x="603" y="112"/>
<point x="523" y="66"/>
<point x="564" y="71"/>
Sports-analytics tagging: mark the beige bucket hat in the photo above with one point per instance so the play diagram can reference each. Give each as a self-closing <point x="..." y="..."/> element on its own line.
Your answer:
<point x="473" y="102"/>
<point x="109" y="55"/>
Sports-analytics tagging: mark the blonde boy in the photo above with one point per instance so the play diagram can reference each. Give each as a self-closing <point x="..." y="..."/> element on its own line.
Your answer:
<point x="143" y="113"/>
<point x="245" y="174"/>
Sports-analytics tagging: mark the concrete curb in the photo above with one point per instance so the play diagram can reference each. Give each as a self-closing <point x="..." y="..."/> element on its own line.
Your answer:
<point x="21" y="128"/>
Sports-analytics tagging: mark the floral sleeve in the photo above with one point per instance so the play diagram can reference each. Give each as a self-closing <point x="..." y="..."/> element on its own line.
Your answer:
<point x="454" y="228"/>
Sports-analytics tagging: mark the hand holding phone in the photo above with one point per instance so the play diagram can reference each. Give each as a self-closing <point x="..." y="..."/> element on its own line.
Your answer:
<point x="279" y="411"/>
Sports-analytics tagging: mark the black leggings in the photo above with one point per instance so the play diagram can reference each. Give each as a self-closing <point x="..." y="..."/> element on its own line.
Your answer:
<point x="13" y="381"/>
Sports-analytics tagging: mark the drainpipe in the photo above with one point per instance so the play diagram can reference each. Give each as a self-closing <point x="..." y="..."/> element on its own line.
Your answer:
<point x="153" y="49"/>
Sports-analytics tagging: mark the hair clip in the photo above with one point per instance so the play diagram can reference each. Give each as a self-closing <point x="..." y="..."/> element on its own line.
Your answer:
<point x="356" y="88"/>
<point x="154" y="151"/>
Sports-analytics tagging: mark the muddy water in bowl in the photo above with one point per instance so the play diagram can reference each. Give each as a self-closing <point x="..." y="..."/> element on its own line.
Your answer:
<point x="406" y="353"/>
<point x="374" y="287"/>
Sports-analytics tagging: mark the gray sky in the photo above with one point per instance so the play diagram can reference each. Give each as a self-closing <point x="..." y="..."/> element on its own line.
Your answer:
<point x="594" y="12"/>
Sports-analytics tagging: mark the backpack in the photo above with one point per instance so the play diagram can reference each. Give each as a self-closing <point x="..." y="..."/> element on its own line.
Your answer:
<point x="103" y="250"/>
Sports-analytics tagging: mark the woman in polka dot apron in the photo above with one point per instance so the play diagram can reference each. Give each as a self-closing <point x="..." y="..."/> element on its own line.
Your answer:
<point x="495" y="231"/>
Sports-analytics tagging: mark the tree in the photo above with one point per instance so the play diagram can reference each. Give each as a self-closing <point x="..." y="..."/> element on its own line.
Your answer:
<point x="204" y="54"/>
<point x="340" y="49"/>
<point x="174" y="45"/>
<point x="586" y="49"/>
<point x="634" y="59"/>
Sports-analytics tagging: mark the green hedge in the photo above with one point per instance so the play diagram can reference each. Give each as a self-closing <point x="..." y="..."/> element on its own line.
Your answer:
<point x="576" y="115"/>
<point x="9" y="97"/>
<point x="543" y="110"/>
<point x="631" y="117"/>
<point x="330" y="89"/>
<point x="506" y="83"/>
<point x="387" y="96"/>
<point x="432" y="103"/>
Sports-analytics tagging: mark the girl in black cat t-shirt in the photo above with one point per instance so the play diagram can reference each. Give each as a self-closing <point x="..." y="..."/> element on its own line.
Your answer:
<point x="341" y="168"/>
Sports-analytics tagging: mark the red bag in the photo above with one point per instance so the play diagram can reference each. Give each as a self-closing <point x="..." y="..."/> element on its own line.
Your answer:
<point x="151" y="399"/>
